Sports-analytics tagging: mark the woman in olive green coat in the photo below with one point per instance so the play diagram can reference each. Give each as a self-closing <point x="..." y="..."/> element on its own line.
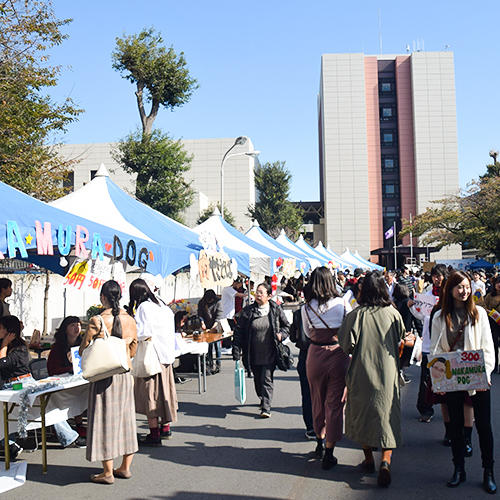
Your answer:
<point x="372" y="334"/>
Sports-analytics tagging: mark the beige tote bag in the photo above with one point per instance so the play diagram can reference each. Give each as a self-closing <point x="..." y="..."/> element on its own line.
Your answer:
<point x="104" y="357"/>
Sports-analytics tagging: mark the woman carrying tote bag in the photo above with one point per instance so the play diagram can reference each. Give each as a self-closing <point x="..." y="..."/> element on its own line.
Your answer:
<point x="111" y="411"/>
<point x="155" y="396"/>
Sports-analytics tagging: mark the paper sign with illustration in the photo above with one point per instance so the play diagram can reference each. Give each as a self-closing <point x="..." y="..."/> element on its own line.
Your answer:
<point x="76" y="360"/>
<point x="458" y="371"/>
<point x="424" y="303"/>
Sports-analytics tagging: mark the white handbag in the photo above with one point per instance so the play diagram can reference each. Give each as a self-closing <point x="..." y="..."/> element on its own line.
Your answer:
<point x="104" y="357"/>
<point x="146" y="362"/>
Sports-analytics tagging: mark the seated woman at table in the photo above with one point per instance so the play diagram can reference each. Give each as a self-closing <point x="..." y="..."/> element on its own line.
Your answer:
<point x="112" y="429"/>
<point x="14" y="367"/>
<point x="155" y="396"/>
<point x="68" y="335"/>
<point x="14" y="354"/>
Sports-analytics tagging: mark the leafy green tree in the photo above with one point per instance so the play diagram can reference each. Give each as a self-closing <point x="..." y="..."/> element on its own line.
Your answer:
<point x="160" y="75"/>
<point x="29" y="119"/>
<point x="208" y="212"/>
<point x="159" y="163"/>
<point x="472" y="217"/>
<point x="273" y="210"/>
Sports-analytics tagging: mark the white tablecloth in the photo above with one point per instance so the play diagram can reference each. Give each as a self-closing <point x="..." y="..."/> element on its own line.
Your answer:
<point x="67" y="400"/>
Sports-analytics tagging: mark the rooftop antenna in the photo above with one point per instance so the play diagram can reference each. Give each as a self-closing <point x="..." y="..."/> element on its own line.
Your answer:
<point x="408" y="48"/>
<point x="380" y="31"/>
<point x="423" y="46"/>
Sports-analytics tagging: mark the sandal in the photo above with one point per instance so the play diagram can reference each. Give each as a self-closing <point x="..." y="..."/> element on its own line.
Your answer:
<point x="122" y="474"/>
<point x="97" y="478"/>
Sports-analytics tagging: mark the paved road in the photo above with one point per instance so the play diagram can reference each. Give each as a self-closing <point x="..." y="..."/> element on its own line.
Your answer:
<point x="223" y="451"/>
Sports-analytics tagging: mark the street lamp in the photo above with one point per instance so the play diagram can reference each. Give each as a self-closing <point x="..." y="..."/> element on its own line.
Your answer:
<point x="493" y="153"/>
<point x="238" y="142"/>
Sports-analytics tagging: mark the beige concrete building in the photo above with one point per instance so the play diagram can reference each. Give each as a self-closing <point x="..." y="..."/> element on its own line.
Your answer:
<point x="239" y="184"/>
<point x="387" y="142"/>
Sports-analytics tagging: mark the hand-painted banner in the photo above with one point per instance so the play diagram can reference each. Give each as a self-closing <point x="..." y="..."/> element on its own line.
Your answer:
<point x="458" y="371"/>
<point x="215" y="269"/>
<point x="44" y="238"/>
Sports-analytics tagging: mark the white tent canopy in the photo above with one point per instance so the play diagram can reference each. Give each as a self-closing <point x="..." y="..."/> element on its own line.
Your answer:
<point x="260" y="263"/>
<point x="283" y="240"/>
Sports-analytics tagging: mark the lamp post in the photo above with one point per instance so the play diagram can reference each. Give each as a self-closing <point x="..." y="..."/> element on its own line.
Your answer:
<point x="238" y="142"/>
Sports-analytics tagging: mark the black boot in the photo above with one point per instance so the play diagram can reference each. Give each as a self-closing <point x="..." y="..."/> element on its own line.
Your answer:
<point x="489" y="484"/>
<point x="318" y="452"/>
<point x="457" y="478"/>
<point x="328" y="459"/>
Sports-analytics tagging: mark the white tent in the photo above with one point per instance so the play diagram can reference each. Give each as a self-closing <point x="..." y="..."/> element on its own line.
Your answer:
<point x="227" y="236"/>
<point x="283" y="240"/>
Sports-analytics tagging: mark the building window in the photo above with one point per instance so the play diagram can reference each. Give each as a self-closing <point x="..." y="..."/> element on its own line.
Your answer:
<point x="389" y="163"/>
<point x="391" y="211"/>
<point x="387" y="113"/>
<point x="386" y="87"/>
<point x="388" y="137"/>
<point x="390" y="190"/>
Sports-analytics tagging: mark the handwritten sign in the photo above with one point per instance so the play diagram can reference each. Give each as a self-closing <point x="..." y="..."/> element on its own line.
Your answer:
<point x="214" y="269"/>
<point x="425" y="302"/>
<point x="458" y="371"/>
<point x="77" y="275"/>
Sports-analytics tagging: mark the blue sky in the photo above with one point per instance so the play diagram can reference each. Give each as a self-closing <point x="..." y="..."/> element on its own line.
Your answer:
<point x="258" y="65"/>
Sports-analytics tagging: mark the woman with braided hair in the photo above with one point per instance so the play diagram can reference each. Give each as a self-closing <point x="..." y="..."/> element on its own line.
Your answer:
<point x="111" y="410"/>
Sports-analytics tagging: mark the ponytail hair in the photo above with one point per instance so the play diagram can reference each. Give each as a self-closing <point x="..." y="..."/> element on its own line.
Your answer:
<point x="113" y="293"/>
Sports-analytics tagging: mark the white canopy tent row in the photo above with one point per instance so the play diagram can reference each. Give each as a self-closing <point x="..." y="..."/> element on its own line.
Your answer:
<point x="314" y="261"/>
<point x="361" y="263"/>
<point x="260" y="258"/>
<point x="336" y="260"/>
<point x="298" y="260"/>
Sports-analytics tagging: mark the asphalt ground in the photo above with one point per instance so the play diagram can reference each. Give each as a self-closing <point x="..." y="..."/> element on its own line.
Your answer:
<point x="222" y="450"/>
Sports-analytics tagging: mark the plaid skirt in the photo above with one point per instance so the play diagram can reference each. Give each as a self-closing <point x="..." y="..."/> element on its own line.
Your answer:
<point x="156" y="396"/>
<point x="112" y="431"/>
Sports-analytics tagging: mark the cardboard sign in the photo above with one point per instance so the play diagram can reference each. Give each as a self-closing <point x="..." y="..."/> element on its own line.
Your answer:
<point x="215" y="269"/>
<point x="458" y="371"/>
<point x="424" y="303"/>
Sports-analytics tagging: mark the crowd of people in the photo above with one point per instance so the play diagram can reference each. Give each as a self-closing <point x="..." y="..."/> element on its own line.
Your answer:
<point x="356" y="334"/>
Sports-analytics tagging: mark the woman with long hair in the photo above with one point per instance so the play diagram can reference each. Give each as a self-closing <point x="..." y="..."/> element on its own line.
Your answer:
<point x="112" y="430"/>
<point x="461" y="325"/>
<point x="155" y="396"/>
<point x="326" y="363"/>
<point x="68" y="335"/>
<point x="372" y="334"/>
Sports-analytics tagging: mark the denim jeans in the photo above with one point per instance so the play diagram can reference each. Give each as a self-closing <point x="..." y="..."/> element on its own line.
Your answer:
<point x="65" y="434"/>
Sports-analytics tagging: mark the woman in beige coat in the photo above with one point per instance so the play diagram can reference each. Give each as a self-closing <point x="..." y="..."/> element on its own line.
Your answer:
<point x="112" y="429"/>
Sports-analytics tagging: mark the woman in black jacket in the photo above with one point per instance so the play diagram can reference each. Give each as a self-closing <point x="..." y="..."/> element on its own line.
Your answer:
<point x="261" y="326"/>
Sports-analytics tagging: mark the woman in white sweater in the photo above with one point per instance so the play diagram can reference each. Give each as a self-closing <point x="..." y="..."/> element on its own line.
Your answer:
<point x="461" y="326"/>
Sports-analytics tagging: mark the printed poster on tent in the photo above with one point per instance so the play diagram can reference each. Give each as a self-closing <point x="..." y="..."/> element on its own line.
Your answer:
<point x="458" y="371"/>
